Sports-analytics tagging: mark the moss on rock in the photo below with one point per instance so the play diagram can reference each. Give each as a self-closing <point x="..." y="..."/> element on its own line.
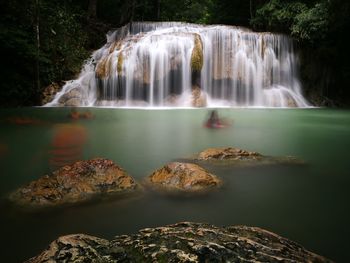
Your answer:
<point x="120" y="63"/>
<point x="197" y="54"/>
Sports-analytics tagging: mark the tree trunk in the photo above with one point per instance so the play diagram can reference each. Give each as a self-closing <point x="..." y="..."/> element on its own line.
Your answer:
<point x="251" y="8"/>
<point x="92" y="10"/>
<point x="37" y="33"/>
<point x="128" y="10"/>
<point x="158" y="9"/>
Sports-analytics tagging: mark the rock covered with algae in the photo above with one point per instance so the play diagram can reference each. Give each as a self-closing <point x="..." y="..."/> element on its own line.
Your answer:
<point x="81" y="181"/>
<point x="197" y="54"/>
<point x="181" y="242"/>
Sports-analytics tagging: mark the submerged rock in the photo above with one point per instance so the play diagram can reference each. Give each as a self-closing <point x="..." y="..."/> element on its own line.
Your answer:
<point x="186" y="177"/>
<point x="227" y="153"/>
<point x="181" y="242"/>
<point x="242" y="157"/>
<point x="75" y="183"/>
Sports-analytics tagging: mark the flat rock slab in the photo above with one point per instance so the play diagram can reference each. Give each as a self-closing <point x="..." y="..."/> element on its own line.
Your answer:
<point x="239" y="157"/>
<point x="183" y="177"/>
<point x="75" y="183"/>
<point x="181" y="242"/>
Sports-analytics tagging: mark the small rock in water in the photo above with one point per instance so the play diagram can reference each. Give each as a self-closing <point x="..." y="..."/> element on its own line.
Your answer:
<point x="228" y="153"/>
<point x="239" y="157"/>
<point x="75" y="183"/>
<point x="181" y="242"/>
<point x="183" y="177"/>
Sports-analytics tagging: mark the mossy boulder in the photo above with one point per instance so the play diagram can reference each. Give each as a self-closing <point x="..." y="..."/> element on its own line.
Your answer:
<point x="79" y="182"/>
<point x="181" y="242"/>
<point x="183" y="177"/>
<point x="197" y="54"/>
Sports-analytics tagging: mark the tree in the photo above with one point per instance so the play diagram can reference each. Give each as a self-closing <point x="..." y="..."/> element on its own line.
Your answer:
<point x="92" y="9"/>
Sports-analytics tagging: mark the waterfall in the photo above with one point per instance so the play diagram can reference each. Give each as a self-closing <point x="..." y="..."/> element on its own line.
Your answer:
<point x="179" y="64"/>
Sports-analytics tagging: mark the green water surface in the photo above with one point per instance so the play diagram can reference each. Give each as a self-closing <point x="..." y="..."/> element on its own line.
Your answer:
<point x="308" y="204"/>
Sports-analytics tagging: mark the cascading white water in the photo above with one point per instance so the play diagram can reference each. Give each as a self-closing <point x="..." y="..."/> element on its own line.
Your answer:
<point x="179" y="64"/>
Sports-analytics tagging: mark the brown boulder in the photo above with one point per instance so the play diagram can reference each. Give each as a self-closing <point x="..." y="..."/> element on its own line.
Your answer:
<point x="75" y="183"/>
<point x="186" y="177"/>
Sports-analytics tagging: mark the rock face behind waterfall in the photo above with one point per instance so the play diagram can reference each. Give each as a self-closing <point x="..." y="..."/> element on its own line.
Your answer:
<point x="183" y="177"/>
<point x="75" y="183"/>
<point x="181" y="242"/>
<point x="148" y="63"/>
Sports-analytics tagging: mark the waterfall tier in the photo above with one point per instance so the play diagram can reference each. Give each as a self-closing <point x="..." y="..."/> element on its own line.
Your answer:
<point x="178" y="64"/>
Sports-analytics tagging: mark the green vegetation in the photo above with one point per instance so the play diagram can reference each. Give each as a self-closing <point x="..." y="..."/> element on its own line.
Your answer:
<point x="46" y="41"/>
<point x="320" y="27"/>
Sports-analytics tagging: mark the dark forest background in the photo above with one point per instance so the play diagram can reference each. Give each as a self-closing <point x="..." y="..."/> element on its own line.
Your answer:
<point x="46" y="41"/>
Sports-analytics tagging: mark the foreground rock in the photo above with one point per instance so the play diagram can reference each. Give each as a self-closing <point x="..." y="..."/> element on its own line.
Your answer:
<point x="182" y="242"/>
<point x="238" y="156"/>
<point x="186" y="177"/>
<point x="74" y="183"/>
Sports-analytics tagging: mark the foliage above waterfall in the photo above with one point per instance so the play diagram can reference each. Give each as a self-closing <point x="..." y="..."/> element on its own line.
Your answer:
<point x="321" y="27"/>
<point x="305" y="23"/>
<point x="312" y="24"/>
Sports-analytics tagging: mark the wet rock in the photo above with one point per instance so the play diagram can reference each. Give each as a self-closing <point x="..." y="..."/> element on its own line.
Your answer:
<point x="291" y="103"/>
<point x="75" y="183"/>
<point x="199" y="99"/>
<point x="72" y="98"/>
<point x="227" y="153"/>
<point x="197" y="54"/>
<point x="236" y="156"/>
<point x="186" y="177"/>
<point x="73" y="102"/>
<point x="103" y="67"/>
<point x="73" y="93"/>
<point x="74" y="248"/>
<point x="120" y="63"/>
<point x="181" y="242"/>
<point x="50" y="92"/>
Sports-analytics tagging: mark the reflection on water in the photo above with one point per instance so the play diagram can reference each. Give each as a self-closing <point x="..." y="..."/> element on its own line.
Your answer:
<point x="76" y="114"/>
<point x="67" y="145"/>
<point x="23" y="121"/>
<point x="3" y="149"/>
